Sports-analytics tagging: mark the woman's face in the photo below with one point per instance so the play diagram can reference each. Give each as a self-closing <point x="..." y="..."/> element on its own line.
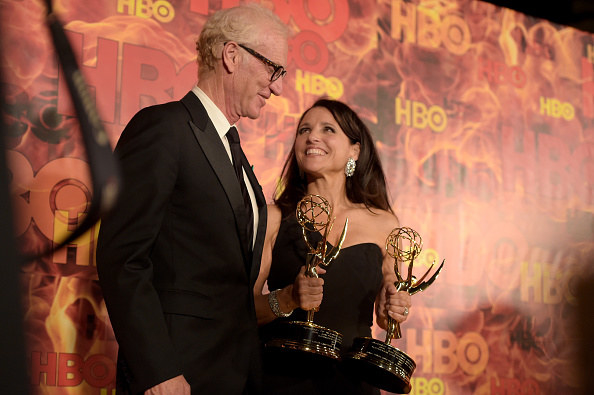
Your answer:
<point x="321" y="147"/>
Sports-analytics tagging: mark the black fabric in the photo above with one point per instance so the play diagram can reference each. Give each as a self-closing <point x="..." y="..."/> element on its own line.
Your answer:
<point x="351" y="283"/>
<point x="237" y="154"/>
<point x="181" y="301"/>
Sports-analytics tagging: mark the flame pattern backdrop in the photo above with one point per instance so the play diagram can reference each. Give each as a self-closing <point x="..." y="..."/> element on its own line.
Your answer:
<point x="484" y="121"/>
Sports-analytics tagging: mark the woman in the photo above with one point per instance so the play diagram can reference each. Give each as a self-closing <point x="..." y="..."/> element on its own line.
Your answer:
<point x="333" y="156"/>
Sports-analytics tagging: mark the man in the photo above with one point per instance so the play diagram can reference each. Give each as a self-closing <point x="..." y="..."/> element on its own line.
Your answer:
<point x="178" y="258"/>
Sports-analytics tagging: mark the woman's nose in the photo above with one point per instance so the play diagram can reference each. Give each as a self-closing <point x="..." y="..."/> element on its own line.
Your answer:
<point x="313" y="135"/>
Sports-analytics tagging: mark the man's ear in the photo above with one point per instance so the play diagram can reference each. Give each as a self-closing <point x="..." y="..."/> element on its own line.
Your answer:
<point x="230" y="56"/>
<point x="355" y="150"/>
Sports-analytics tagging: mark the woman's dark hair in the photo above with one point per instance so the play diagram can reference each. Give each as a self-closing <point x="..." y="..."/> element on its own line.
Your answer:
<point x="367" y="185"/>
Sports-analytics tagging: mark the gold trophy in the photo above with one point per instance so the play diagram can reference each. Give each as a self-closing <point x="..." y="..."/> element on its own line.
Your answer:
<point x="314" y="214"/>
<point x="379" y="363"/>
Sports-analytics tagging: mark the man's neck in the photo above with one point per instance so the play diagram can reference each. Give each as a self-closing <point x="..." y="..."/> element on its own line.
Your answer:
<point x="212" y="85"/>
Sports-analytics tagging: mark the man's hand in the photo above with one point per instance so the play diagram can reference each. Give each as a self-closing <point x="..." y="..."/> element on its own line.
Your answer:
<point x="175" y="386"/>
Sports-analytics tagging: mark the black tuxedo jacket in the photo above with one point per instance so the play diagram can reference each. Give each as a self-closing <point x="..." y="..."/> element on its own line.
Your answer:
<point x="173" y="259"/>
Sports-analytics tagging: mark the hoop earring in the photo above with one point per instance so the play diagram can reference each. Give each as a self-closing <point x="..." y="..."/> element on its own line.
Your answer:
<point x="349" y="169"/>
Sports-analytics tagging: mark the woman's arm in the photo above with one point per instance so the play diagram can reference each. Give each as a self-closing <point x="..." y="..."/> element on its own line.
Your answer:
<point x="305" y="292"/>
<point x="390" y="302"/>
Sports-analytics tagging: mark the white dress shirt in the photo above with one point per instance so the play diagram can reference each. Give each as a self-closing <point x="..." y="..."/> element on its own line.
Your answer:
<point x="222" y="126"/>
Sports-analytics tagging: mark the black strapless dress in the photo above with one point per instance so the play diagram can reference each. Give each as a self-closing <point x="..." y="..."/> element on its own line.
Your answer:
<point x="351" y="284"/>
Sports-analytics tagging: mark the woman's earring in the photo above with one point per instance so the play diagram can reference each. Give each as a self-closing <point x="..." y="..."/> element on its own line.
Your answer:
<point x="349" y="169"/>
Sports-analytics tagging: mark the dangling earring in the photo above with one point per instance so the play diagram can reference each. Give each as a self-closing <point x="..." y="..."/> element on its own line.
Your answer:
<point x="349" y="169"/>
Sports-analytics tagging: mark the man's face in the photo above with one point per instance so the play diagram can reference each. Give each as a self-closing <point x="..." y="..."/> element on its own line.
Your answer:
<point x="252" y="85"/>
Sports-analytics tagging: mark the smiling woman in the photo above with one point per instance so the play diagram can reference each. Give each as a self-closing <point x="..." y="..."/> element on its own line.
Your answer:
<point x="333" y="156"/>
<point x="321" y="146"/>
<point x="367" y="185"/>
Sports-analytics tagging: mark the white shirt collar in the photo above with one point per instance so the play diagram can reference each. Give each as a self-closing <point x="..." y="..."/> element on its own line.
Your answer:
<point x="222" y="126"/>
<point x="214" y="113"/>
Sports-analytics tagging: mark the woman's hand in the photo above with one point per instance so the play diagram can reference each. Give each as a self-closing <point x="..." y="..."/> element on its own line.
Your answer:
<point x="307" y="291"/>
<point x="392" y="303"/>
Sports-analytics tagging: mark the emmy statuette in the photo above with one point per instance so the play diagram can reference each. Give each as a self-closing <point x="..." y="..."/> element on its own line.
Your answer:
<point x="314" y="214"/>
<point x="377" y="362"/>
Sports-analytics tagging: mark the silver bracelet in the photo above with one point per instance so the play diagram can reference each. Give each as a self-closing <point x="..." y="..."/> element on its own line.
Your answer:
<point x="274" y="306"/>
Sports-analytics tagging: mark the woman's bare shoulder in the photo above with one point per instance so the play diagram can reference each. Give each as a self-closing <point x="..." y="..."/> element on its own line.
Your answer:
<point x="382" y="219"/>
<point x="379" y="224"/>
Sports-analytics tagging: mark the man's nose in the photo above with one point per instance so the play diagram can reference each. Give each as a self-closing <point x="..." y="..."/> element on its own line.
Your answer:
<point x="277" y="86"/>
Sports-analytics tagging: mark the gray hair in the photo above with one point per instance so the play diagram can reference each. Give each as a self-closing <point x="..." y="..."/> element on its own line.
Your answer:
<point x="241" y="24"/>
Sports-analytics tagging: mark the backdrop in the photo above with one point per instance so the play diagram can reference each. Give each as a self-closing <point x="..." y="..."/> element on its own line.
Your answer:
<point x="483" y="118"/>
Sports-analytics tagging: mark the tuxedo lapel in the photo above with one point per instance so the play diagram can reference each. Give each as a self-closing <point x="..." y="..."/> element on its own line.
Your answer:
<point x="214" y="150"/>
<point x="260" y="200"/>
<point x="262" y="213"/>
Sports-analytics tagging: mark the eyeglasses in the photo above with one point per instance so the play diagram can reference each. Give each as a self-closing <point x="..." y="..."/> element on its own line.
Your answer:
<point x="279" y="71"/>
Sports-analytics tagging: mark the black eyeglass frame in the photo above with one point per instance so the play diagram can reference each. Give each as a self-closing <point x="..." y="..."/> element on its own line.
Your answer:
<point x="279" y="71"/>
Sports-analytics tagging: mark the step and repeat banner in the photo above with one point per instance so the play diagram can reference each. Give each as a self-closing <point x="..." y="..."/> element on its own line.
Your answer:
<point x="484" y="119"/>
